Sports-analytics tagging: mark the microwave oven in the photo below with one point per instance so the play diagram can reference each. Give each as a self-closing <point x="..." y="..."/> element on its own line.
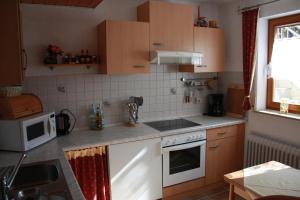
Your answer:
<point x="26" y="133"/>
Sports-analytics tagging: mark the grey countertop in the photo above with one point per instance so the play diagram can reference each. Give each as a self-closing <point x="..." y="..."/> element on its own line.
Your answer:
<point x="111" y="135"/>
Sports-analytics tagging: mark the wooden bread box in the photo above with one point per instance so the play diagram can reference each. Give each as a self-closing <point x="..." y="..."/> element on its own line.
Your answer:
<point x="20" y="106"/>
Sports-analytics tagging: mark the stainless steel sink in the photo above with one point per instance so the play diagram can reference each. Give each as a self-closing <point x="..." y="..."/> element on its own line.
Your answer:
<point x="37" y="174"/>
<point x="38" y="181"/>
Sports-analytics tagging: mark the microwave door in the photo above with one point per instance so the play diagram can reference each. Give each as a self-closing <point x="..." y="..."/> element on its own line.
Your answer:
<point x="33" y="134"/>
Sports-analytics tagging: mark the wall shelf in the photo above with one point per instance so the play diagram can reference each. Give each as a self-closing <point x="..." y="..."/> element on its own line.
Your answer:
<point x="88" y="66"/>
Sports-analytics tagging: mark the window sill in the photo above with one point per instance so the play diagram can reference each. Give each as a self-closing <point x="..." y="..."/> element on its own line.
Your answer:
<point x="278" y="114"/>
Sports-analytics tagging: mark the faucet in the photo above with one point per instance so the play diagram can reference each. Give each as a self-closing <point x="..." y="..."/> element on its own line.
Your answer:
<point x="7" y="181"/>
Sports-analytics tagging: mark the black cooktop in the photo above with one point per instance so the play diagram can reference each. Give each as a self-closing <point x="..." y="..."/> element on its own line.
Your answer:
<point x="173" y="124"/>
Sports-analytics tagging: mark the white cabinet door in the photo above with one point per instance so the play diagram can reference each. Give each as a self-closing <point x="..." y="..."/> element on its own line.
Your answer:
<point x="136" y="170"/>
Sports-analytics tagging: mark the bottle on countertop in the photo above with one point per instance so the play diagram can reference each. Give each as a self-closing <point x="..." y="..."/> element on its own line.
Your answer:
<point x="96" y="117"/>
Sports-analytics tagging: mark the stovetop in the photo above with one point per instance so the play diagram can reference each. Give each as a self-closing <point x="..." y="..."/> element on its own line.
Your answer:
<point x="167" y="125"/>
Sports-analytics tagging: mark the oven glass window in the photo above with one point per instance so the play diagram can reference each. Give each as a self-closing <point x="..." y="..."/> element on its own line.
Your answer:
<point x="35" y="131"/>
<point x="184" y="160"/>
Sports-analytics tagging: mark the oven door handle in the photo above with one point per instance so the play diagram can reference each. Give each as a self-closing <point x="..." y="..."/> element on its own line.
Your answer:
<point x="183" y="146"/>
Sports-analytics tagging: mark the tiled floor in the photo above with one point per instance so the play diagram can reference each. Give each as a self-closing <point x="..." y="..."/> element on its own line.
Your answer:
<point x="220" y="193"/>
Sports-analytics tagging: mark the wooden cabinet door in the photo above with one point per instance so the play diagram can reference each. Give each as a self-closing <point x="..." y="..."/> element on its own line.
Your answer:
<point x="171" y="25"/>
<point x="220" y="159"/>
<point x="11" y="66"/>
<point x="135" y="170"/>
<point x="124" y="47"/>
<point x="210" y="42"/>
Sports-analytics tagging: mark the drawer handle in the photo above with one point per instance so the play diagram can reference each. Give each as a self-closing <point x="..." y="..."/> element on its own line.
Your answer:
<point x="200" y="66"/>
<point x="157" y="44"/>
<point x="214" y="147"/>
<point x="138" y="66"/>
<point x="222" y="133"/>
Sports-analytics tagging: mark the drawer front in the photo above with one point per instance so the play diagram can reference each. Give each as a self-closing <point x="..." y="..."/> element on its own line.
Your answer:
<point x="223" y="132"/>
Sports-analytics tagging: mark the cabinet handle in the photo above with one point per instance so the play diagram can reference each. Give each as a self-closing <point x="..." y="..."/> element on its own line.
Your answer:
<point x="138" y="66"/>
<point x="200" y="66"/>
<point x="214" y="147"/>
<point x="221" y="133"/>
<point x="25" y="55"/>
<point x="157" y="43"/>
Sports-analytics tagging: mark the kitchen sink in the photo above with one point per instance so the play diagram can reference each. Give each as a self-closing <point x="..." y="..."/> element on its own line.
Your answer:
<point x="41" y="180"/>
<point x="37" y="174"/>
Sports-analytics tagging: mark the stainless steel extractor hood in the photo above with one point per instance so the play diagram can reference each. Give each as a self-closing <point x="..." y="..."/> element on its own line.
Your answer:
<point x="176" y="57"/>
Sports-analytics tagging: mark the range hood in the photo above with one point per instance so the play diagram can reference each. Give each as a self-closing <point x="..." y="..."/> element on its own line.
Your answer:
<point x="176" y="57"/>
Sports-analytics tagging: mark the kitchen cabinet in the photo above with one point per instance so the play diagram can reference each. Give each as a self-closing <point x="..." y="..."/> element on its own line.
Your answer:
<point x="171" y="25"/>
<point x="224" y="152"/>
<point x="123" y="47"/>
<point x="209" y="42"/>
<point x="136" y="170"/>
<point x="11" y="66"/>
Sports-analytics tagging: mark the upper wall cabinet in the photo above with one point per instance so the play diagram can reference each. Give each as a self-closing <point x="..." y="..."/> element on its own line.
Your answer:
<point x="123" y="47"/>
<point x="209" y="42"/>
<point x="171" y="25"/>
<point x="11" y="65"/>
<point x="85" y="3"/>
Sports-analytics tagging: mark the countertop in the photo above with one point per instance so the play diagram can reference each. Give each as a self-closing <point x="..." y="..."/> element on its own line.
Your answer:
<point x="79" y="139"/>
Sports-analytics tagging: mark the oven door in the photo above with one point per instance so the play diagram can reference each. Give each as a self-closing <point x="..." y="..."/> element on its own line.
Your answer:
<point x="183" y="162"/>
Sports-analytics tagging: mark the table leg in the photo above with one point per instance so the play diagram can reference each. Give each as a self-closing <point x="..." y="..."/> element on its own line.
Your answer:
<point x="231" y="192"/>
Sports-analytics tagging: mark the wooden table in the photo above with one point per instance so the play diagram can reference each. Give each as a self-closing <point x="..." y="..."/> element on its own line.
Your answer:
<point x="271" y="178"/>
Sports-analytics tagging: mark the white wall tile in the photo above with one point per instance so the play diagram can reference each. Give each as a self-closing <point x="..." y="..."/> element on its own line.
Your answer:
<point x="83" y="90"/>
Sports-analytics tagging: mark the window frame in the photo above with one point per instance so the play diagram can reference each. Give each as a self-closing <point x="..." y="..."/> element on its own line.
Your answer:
<point x="273" y="23"/>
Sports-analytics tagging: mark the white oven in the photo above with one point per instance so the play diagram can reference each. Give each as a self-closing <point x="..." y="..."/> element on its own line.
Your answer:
<point x="183" y="157"/>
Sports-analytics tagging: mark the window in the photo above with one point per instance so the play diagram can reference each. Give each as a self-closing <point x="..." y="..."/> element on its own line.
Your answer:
<point x="284" y="57"/>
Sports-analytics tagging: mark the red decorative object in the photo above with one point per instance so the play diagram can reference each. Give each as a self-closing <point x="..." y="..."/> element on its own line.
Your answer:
<point x="200" y="20"/>
<point x="91" y="171"/>
<point x="54" y="49"/>
<point x="249" y="40"/>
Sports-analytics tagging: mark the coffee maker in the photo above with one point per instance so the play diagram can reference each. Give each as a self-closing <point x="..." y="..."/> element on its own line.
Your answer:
<point x="215" y="105"/>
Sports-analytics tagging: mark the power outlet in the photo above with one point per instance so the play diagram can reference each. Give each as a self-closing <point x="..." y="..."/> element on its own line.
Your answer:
<point x="200" y="100"/>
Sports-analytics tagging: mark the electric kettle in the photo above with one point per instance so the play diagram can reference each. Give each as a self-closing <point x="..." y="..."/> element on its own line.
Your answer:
<point x="63" y="122"/>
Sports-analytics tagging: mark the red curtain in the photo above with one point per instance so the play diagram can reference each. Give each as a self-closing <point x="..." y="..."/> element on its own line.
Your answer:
<point x="91" y="171"/>
<point x="249" y="40"/>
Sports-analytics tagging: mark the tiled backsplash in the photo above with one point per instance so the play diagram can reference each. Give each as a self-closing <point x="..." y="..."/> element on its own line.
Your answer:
<point x="80" y="91"/>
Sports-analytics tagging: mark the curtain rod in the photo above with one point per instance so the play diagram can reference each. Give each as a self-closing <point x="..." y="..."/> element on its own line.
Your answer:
<point x="255" y="6"/>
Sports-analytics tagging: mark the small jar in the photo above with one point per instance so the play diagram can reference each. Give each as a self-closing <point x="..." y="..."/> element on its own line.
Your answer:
<point x="284" y="105"/>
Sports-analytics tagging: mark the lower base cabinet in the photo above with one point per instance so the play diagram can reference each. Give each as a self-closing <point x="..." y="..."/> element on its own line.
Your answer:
<point x="136" y="170"/>
<point x="224" y="152"/>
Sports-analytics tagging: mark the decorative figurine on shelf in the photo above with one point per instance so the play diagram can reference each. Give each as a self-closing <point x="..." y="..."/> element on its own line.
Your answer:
<point x="52" y="53"/>
<point x="201" y="20"/>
